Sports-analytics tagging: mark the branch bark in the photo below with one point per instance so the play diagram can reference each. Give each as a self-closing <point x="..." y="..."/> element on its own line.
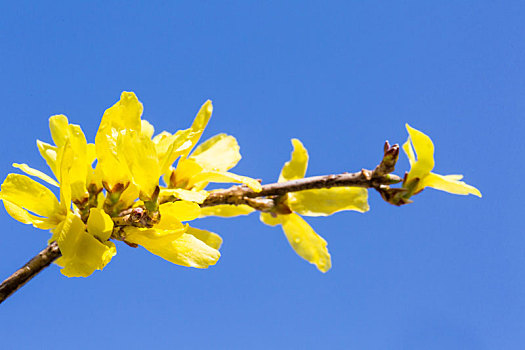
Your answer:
<point x="380" y="178"/>
<point x="29" y="270"/>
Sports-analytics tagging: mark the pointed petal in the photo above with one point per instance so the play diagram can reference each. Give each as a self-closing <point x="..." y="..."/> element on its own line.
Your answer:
<point x="323" y="202"/>
<point x="58" y="125"/>
<point x="226" y="211"/>
<point x="36" y="173"/>
<point x="199" y="124"/>
<point x="49" y="153"/>
<point x="30" y="195"/>
<point x="424" y="150"/>
<point x="449" y="183"/>
<point x="175" y="246"/>
<point x="22" y="215"/>
<point x="306" y="243"/>
<point x="220" y="153"/>
<point x="409" y="151"/>
<point x="170" y="147"/>
<point x="295" y="168"/>
<point x="187" y="195"/>
<point x="122" y="117"/>
<point x="202" y="179"/>
<point x="99" y="224"/>
<point x="211" y="239"/>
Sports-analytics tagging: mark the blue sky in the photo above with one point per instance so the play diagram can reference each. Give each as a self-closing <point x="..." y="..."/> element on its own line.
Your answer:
<point x="444" y="273"/>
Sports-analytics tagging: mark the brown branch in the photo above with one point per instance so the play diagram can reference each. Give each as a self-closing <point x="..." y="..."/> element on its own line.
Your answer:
<point x="380" y="178"/>
<point x="29" y="270"/>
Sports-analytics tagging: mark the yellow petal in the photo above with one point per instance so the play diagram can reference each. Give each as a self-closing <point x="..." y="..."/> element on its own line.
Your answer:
<point x="271" y="220"/>
<point x="187" y="195"/>
<point x="170" y="147"/>
<point x="123" y="117"/>
<point x="141" y="159"/>
<point x="199" y="124"/>
<point x="409" y="151"/>
<point x="220" y="153"/>
<point x="185" y="171"/>
<point x="306" y="243"/>
<point x="65" y="157"/>
<point x="182" y="210"/>
<point x="323" y="202"/>
<point x="49" y="153"/>
<point x="22" y="215"/>
<point x="202" y="179"/>
<point x="36" y="173"/>
<point x="449" y="183"/>
<point x="80" y="164"/>
<point x="129" y="195"/>
<point x="99" y="224"/>
<point x="30" y="195"/>
<point x="91" y="153"/>
<point x="146" y="129"/>
<point x="226" y="211"/>
<point x="295" y="168"/>
<point x="82" y="253"/>
<point x="177" y="247"/>
<point x="58" y="125"/>
<point x="211" y="239"/>
<point x="424" y="151"/>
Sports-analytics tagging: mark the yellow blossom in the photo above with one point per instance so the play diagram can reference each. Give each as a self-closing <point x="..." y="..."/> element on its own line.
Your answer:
<point x="210" y="161"/>
<point x="178" y="243"/>
<point x="84" y="248"/>
<point x="420" y="176"/>
<point x="315" y="202"/>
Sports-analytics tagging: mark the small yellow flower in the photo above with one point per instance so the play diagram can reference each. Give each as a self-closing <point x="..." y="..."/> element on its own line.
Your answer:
<point x="176" y="242"/>
<point x="420" y="175"/>
<point x="316" y="202"/>
<point x="84" y="248"/>
<point x="209" y="162"/>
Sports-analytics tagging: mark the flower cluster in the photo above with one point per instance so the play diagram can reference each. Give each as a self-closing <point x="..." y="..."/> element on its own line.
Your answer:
<point x="315" y="202"/>
<point x="110" y="190"/>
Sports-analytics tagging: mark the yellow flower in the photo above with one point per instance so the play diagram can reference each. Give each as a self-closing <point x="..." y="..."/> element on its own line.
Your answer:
<point x="121" y="119"/>
<point x="209" y="162"/>
<point x="420" y="175"/>
<point x="176" y="242"/>
<point x="316" y="202"/>
<point x="84" y="248"/>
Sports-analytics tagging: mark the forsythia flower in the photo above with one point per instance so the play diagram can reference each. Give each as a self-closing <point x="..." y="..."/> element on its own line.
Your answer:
<point x="209" y="162"/>
<point x="316" y="202"/>
<point x="420" y="174"/>
<point x="84" y="247"/>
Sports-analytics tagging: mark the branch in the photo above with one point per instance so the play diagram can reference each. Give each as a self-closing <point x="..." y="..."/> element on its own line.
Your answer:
<point x="379" y="179"/>
<point x="29" y="270"/>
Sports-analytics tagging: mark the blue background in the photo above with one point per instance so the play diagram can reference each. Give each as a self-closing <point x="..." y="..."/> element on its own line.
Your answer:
<point x="444" y="273"/>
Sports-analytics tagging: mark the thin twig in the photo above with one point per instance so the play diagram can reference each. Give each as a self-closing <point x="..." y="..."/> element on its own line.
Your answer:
<point x="29" y="270"/>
